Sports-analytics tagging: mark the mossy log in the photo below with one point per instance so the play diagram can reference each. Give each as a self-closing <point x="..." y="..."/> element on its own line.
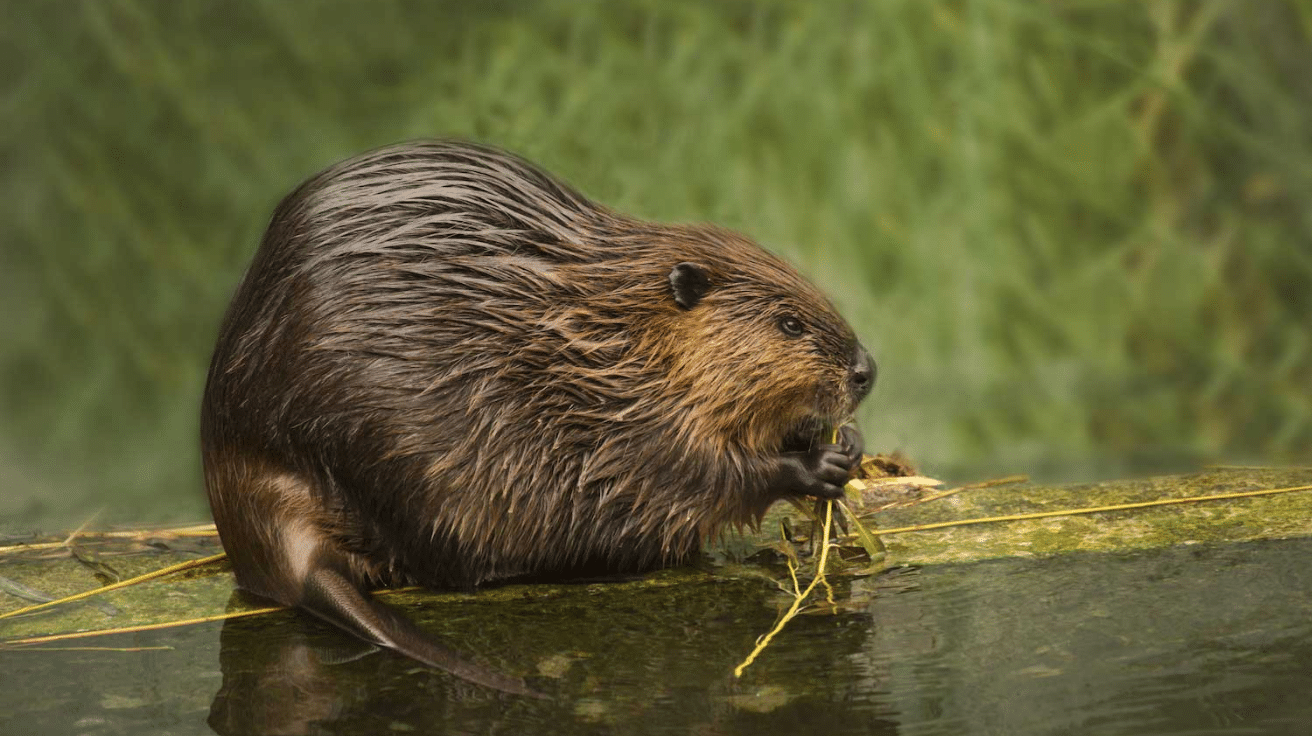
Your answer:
<point x="208" y="592"/>
<point x="1275" y="516"/>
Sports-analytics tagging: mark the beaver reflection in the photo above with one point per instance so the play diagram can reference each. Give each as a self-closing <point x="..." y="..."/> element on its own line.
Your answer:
<point x="275" y="681"/>
<point x="297" y="676"/>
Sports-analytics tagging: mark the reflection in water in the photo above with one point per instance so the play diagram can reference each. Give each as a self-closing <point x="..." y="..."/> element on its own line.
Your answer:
<point x="295" y="675"/>
<point x="274" y="681"/>
<point x="660" y="659"/>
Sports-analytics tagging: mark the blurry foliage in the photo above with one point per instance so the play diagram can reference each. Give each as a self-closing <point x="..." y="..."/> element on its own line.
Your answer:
<point x="1075" y="235"/>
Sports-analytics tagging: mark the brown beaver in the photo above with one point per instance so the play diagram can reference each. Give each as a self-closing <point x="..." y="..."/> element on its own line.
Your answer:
<point x="446" y="367"/>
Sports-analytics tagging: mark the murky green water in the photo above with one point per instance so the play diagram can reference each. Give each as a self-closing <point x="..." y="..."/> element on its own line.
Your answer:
<point x="1185" y="641"/>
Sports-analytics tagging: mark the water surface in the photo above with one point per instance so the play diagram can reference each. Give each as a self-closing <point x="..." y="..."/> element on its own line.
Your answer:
<point x="1190" y="640"/>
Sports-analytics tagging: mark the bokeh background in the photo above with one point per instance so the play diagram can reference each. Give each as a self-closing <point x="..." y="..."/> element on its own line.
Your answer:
<point x="1076" y="235"/>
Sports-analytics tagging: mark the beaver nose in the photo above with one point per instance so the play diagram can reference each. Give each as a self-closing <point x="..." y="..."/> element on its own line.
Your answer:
<point x="863" y="373"/>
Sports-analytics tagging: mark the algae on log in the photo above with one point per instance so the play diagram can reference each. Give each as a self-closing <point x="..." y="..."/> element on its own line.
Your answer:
<point x="1277" y="516"/>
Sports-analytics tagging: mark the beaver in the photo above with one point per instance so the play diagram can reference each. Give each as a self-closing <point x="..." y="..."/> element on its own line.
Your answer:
<point x="446" y="367"/>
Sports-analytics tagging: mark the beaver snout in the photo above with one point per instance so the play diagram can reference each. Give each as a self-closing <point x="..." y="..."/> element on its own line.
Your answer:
<point x="862" y="376"/>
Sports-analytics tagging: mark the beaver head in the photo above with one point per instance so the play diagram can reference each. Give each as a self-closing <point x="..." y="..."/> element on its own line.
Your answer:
<point x="757" y="350"/>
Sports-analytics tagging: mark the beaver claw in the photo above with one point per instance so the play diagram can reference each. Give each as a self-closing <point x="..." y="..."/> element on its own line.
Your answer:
<point x="853" y="444"/>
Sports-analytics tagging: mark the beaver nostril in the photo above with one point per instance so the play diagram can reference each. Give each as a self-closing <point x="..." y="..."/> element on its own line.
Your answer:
<point x="863" y="372"/>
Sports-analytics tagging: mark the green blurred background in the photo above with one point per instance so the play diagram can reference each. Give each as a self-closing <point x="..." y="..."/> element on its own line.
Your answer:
<point x="1075" y="235"/>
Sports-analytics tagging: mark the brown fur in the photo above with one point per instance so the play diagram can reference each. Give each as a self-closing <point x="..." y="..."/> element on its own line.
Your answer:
<point x="446" y="367"/>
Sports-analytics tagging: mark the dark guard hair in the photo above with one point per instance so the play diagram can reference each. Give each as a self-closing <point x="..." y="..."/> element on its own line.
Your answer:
<point x="446" y="367"/>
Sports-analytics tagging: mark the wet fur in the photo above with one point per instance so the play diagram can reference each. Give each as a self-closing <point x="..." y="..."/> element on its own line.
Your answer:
<point x="445" y="367"/>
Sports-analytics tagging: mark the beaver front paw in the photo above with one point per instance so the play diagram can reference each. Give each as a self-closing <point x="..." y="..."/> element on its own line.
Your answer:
<point x="821" y="471"/>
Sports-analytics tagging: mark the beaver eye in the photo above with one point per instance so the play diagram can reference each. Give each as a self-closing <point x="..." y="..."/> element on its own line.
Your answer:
<point x="790" y="325"/>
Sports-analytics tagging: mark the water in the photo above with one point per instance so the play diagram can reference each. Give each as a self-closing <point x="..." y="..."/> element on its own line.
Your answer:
<point x="1189" y="640"/>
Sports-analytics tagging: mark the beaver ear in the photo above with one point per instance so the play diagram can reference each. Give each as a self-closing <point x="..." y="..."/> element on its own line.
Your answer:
<point x="689" y="283"/>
